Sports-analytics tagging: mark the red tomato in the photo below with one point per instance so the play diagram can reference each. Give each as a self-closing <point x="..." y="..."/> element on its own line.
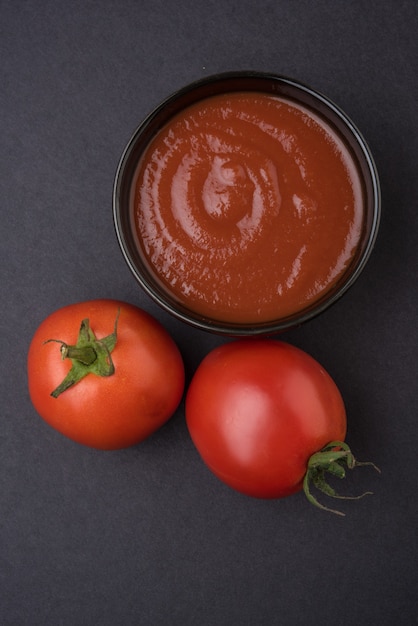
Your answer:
<point x="257" y="410"/>
<point x="131" y="373"/>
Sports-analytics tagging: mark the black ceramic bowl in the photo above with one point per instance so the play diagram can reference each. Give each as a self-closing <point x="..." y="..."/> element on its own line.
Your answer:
<point x="227" y="83"/>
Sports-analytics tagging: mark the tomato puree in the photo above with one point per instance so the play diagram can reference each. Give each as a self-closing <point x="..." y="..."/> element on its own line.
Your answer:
<point x="248" y="207"/>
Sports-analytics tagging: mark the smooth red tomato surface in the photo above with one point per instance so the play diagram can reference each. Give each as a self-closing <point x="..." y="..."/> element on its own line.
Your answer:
<point x="257" y="410"/>
<point x="119" y="410"/>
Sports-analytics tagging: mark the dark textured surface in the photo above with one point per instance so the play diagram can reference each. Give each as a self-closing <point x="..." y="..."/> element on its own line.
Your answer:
<point x="147" y="535"/>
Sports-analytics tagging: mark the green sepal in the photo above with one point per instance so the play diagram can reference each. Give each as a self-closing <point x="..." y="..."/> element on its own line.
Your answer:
<point x="88" y="356"/>
<point x="333" y="459"/>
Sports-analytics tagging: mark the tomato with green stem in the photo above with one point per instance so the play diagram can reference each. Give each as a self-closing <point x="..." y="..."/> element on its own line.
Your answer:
<point x="104" y="373"/>
<point x="268" y="420"/>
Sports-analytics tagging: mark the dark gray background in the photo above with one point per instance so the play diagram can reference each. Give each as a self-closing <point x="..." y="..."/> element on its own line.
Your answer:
<point x="147" y="535"/>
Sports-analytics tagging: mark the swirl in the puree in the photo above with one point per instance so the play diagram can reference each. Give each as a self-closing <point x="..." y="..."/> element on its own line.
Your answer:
<point x="248" y="207"/>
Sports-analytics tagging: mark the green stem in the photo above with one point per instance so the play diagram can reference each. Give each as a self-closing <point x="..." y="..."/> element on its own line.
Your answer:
<point x="333" y="459"/>
<point x="88" y="356"/>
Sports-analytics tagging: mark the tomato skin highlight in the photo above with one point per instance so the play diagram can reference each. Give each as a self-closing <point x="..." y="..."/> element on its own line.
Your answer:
<point x="257" y="410"/>
<point x="111" y="412"/>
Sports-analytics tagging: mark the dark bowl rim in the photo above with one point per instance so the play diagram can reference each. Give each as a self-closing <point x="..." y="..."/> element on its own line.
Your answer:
<point x="281" y="324"/>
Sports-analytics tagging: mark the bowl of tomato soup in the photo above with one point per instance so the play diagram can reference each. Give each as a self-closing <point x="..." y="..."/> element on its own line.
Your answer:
<point x="246" y="203"/>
